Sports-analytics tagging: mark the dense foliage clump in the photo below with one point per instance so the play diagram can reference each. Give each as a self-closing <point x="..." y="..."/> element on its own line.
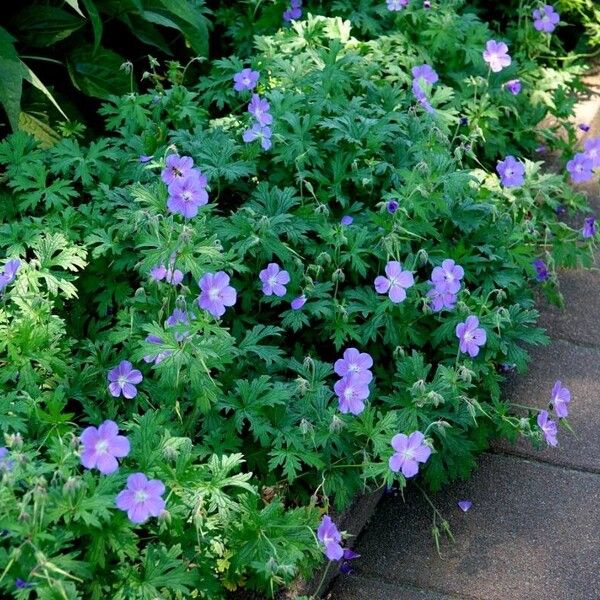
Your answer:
<point x="259" y="294"/>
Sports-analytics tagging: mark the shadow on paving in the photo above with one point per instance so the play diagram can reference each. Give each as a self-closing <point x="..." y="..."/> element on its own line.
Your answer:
<point x="532" y="534"/>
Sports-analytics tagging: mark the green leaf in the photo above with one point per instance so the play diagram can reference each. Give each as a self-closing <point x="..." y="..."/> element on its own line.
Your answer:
<point x="12" y="72"/>
<point x="98" y="73"/>
<point x="75" y="6"/>
<point x="95" y="20"/>
<point x="43" y="26"/>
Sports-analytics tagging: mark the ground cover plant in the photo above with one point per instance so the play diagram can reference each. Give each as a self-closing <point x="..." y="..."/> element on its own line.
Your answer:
<point x="292" y="280"/>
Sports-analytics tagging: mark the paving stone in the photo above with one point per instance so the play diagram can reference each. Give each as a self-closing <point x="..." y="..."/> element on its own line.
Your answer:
<point x="532" y="534"/>
<point x="580" y="320"/>
<point x="578" y="368"/>
<point x="353" y="587"/>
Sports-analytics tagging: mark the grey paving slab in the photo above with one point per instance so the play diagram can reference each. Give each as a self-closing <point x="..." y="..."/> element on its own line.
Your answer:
<point x="578" y="368"/>
<point x="533" y="534"/>
<point x="580" y="320"/>
<point x="355" y="587"/>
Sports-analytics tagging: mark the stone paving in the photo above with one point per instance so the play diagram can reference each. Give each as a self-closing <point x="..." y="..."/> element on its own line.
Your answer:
<point x="533" y="532"/>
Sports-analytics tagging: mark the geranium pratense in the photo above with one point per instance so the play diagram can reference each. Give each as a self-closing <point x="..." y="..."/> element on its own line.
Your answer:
<point x="102" y="446"/>
<point x="187" y="195"/>
<point x="396" y="5"/>
<point x="9" y="272"/>
<point x="216" y="293"/>
<point x="123" y="379"/>
<point x="294" y="12"/>
<point x="589" y="227"/>
<point x="347" y="220"/>
<point x="410" y="451"/>
<point x="352" y="390"/>
<point x="156" y="358"/>
<point x="274" y="280"/>
<point x="438" y="300"/>
<point x="172" y="276"/>
<point x="177" y="168"/>
<point x="298" y="303"/>
<point x="545" y="19"/>
<point x="354" y="362"/>
<point x="471" y="336"/>
<point x="178" y="317"/>
<point x="259" y="109"/>
<point x="592" y="151"/>
<point x="580" y="167"/>
<point x="548" y="427"/>
<point x="447" y="277"/>
<point x="6" y="464"/>
<point x="329" y="535"/>
<point x="561" y="397"/>
<point x="541" y="270"/>
<point x="496" y="55"/>
<point x="246" y="79"/>
<point x="423" y="77"/>
<point x="396" y="283"/>
<point x="511" y="171"/>
<point x="464" y="505"/>
<point x="141" y="499"/>
<point x="513" y="86"/>
<point x="258" y="132"/>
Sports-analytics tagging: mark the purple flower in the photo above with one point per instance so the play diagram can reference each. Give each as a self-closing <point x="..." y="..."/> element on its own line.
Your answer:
<point x="548" y="427"/>
<point x="561" y="396"/>
<point x="141" y="498"/>
<point x="187" y="195"/>
<point x="160" y="272"/>
<point x="274" y="280"/>
<point x="246" y="79"/>
<point x="352" y="391"/>
<point x="464" y="505"/>
<point x="9" y="273"/>
<point x="592" y="151"/>
<point x="123" y="379"/>
<point x="346" y="567"/>
<point x="396" y="5"/>
<point x="471" y="336"/>
<point x="156" y="358"/>
<point x="541" y="149"/>
<point x="447" y="277"/>
<point x="259" y="109"/>
<point x="424" y="74"/>
<point x="354" y="362"/>
<point x="292" y="14"/>
<point x="258" y="132"/>
<point x="511" y="171"/>
<point x="392" y="206"/>
<point x="144" y="158"/>
<point x="584" y="127"/>
<point x="426" y="4"/>
<point x="216" y="293"/>
<point x="102" y="446"/>
<point x="396" y="283"/>
<point x="410" y="451"/>
<point x="6" y="464"/>
<point x="299" y="302"/>
<point x="545" y="18"/>
<point x="21" y="584"/>
<point x="589" y="227"/>
<point x="580" y="167"/>
<point x="439" y="299"/>
<point x="463" y="121"/>
<point x="496" y="55"/>
<point x="347" y="220"/>
<point x="329" y="535"/>
<point x="177" y="168"/>
<point x="513" y="86"/>
<point x="541" y="270"/>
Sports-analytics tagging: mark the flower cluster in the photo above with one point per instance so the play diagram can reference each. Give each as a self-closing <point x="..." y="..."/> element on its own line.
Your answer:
<point x="259" y="108"/>
<point x="186" y="185"/>
<point x="169" y="274"/>
<point x="445" y="282"/>
<point x="559" y="401"/>
<point x="352" y="389"/>
<point x="101" y="447"/>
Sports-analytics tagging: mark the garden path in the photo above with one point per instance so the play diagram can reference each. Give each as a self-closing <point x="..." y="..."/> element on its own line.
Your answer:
<point x="533" y="532"/>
